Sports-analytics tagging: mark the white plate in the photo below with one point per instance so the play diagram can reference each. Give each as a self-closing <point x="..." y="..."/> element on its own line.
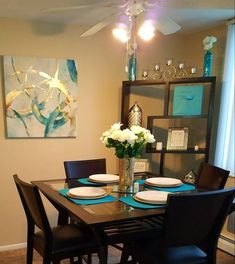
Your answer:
<point x="87" y="193"/>
<point x="152" y="197"/>
<point x="104" y="178"/>
<point x="163" y="182"/>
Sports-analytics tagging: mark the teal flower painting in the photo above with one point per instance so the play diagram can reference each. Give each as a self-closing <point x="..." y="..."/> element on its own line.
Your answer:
<point x="40" y="97"/>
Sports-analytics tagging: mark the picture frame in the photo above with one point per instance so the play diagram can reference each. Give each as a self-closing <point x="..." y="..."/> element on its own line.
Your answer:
<point x="177" y="138"/>
<point x="141" y="165"/>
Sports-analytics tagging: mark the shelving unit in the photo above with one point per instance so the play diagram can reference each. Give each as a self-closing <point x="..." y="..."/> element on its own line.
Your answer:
<point x="157" y="100"/>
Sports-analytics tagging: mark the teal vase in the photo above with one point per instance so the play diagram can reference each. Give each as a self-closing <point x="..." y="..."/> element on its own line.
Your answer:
<point x="208" y="60"/>
<point x="132" y="68"/>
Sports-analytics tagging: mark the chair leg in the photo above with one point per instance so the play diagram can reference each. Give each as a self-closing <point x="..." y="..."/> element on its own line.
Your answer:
<point x="125" y="255"/>
<point x="89" y="259"/>
<point x="30" y="244"/>
<point x="103" y="255"/>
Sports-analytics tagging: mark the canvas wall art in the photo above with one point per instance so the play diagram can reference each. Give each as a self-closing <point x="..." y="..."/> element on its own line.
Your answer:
<point x="40" y="97"/>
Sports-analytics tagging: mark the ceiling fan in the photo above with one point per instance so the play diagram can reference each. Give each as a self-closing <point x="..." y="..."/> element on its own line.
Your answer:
<point x="154" y="9"/>
<point x="123" y="10"/>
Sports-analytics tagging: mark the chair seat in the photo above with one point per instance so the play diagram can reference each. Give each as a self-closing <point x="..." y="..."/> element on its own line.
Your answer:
<point x="72" y="237"/>
<point x="186" y="255"/>
<point x="149" y="252"/>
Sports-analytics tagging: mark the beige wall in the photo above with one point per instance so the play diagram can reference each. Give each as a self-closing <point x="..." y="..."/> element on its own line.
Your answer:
<point x="101" y="62"/>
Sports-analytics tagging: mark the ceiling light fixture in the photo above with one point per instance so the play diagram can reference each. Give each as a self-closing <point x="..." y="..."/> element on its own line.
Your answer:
<point x="146" y="31"/>
<point x="126" y="33"/>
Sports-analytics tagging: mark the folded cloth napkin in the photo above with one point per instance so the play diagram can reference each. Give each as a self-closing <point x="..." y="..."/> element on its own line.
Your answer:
<point x="105" y="199"/>
<point x="182" y="188"/>
<point x="86" y="181"/>
<point x="129" y="200"/>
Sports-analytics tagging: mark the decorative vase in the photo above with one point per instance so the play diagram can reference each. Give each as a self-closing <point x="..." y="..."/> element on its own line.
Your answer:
<point x="132" y="68"/>
<point x="135" y="116"/>
<point x="126" y="174"/>
<point x="207" y="67"/>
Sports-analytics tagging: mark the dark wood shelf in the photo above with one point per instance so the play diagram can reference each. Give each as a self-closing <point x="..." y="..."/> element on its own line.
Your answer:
<point x="187" y="151"/>
<point x="178" y="116"/>
<point x="144" y="89"/>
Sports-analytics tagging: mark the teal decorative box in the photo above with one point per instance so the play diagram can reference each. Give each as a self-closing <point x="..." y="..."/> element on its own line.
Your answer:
<point x="187" y="100"/>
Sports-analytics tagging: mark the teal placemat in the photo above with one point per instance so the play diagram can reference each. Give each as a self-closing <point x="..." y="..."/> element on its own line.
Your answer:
<point x="129" y="200"/>
<point x="86" y="181"/>
<point x="182" y="188"/>
<point x="105" y="199"/>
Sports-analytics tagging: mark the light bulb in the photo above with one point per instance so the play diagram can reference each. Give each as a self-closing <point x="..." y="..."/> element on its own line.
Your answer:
<point x="120" y="34"/>
<point x="146" y="31"/>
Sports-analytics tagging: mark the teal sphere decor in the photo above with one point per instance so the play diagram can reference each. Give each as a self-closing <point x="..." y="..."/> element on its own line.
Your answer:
<point x="208" y="60"/>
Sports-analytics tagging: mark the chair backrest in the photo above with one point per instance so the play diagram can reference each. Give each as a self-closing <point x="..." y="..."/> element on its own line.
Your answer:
<point x="84" y="168"/>
<point x="211" y="177"/>
<point x="196" y="218"/>
<point x="33" y="205"/>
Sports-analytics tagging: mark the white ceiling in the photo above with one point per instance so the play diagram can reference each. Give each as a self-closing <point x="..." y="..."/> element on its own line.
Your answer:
<point x="191" y="15"/>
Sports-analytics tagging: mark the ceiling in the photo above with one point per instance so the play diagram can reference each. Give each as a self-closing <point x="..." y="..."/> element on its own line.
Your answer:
<point x="191" y="15"/>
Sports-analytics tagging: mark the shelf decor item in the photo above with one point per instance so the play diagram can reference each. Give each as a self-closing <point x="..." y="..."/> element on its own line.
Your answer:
<point x="188" y="100"/>
<point x="208" y="57"/>
<point x="132" y="68"/>
<point x="177" y="138"/>
<point x="135" y="116"/>
<point x="128" y="145"/>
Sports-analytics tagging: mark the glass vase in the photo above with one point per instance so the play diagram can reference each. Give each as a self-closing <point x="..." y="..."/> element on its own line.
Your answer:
<point x="132" y="68"/>
<point x="126" y="174"/>
<point x="207" y="67"/>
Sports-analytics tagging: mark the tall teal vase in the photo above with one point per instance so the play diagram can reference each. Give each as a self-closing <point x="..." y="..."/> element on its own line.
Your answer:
<point x="208" y="60"/>
<point x="132" y="68"/>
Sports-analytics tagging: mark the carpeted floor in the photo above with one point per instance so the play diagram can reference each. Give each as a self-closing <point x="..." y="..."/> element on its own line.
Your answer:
<point x="18" y="257"/>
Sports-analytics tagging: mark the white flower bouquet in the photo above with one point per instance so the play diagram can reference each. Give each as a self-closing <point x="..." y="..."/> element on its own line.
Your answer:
<point x="208" y="42"/>
<point x="128" y="143"/>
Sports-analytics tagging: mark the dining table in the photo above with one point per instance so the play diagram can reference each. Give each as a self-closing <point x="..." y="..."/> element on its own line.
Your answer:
<point x="117" y="207"/>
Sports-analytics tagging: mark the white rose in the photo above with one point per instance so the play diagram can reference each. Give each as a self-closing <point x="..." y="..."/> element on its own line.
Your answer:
<point x="116" y="126"/>
<point x="115" y="135"/>
<point x="138" y="129"/>
<point x="208" y="42"/>
<point x="130" y="136"/>
<point x="149" y="138"/>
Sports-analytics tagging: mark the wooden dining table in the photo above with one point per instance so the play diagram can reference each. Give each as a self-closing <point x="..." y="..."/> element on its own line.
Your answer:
<point x="94" y="214"/>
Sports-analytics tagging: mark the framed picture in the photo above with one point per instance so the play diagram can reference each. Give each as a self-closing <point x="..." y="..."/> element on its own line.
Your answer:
<point x="141" y="165"/>
<point x="177" y="138"/>
<point x="40" y="97"/>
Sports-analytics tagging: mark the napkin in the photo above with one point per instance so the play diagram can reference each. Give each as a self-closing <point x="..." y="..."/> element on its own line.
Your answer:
<point x="105" y="199"/>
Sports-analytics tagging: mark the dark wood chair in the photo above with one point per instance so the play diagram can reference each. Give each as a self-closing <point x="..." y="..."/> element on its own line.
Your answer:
<point x="190" y="232"/>
<point x="84" y="168"/>
<point x="57" y="243"/>
<point x="210" y="177"/>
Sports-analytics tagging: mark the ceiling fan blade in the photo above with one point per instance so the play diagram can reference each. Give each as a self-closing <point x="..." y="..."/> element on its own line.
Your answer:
<point x="166" y="25"/>
<point x="78" y="7"/>
<point x="105" y="22"/>
<point x="215" y="4"/>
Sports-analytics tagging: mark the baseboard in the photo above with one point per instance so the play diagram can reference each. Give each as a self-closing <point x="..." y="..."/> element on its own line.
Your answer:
<point x="227" y="245"/>
<point x="13" y="247"/>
